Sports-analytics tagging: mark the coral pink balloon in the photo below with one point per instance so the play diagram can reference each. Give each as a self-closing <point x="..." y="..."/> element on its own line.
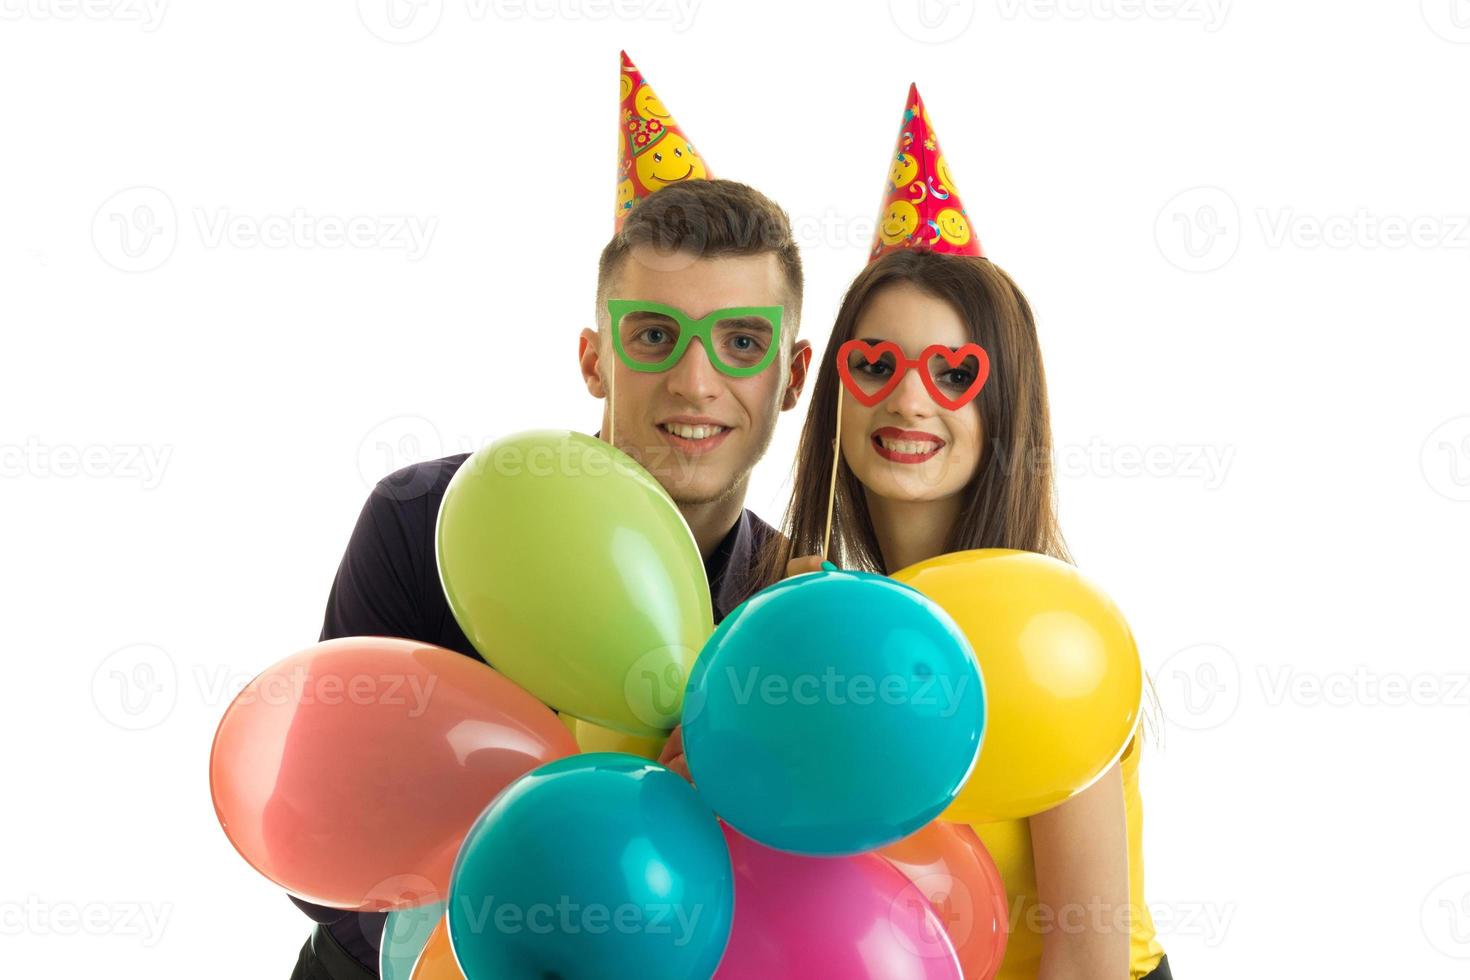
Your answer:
<point x="949" y="864"/>
<point x="350" y="772"/>
<point x="855" y="917"/>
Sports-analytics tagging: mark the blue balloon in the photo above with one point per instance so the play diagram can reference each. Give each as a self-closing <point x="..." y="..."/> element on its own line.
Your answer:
<point x="405" y="933"/>
<point x="833" y="713"/>
<point x="598" y="865"/>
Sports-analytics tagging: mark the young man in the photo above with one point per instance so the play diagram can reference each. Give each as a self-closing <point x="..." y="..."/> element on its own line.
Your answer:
<point x="697" y="411"/>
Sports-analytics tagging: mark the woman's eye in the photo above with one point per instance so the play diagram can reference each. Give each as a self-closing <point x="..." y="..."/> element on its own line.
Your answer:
<point x="957" y="378"/>
<point x="876" y="369"/>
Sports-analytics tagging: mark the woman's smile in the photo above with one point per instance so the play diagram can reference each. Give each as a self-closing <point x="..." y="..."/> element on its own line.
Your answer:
<point x="906" y="445"/>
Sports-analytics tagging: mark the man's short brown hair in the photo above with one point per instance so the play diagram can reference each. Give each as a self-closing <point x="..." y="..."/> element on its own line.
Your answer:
<point x="707" y="219"/>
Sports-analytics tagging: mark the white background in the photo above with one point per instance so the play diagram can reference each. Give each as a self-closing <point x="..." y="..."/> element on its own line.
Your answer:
<point x="1243" y="227"/>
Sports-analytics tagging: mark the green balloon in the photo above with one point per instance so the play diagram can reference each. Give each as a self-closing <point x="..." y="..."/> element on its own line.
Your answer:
<point x="571" y="571"/>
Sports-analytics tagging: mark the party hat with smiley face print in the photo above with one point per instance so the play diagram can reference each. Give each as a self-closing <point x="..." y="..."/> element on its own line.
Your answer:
<point x="921" y="207"/>
<point x="653" y="151"/>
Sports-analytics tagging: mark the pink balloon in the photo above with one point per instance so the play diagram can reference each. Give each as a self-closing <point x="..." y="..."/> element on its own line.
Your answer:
<point x="350" y="772"/>
<point x="799" y="917"/>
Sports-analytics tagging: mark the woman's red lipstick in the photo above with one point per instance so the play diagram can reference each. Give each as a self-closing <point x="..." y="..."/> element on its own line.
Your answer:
<point x="891" y="434"/>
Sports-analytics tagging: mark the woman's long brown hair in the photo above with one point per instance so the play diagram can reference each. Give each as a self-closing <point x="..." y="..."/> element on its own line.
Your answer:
<point x="1010" y="502"/>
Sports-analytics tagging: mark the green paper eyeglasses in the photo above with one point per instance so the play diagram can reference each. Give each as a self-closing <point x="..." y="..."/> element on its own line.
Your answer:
<point x="741" y="341"/>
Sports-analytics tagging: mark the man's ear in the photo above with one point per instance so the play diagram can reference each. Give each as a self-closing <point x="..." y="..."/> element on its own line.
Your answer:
<point x="589" y="361"/>
<point x="801" y="359"/>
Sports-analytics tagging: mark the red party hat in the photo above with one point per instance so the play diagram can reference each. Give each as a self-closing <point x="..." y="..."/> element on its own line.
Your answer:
<point x="921" y="207"/>
<point x="653" y="151"/>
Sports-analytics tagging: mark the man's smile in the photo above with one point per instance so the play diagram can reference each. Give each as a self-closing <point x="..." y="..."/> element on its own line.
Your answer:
<point x="694" y="435"/>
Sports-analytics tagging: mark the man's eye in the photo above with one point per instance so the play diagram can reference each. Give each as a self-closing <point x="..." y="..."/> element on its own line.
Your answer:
<point x="653" y="335"/>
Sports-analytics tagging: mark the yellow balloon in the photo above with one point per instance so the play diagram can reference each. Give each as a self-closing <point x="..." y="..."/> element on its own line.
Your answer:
<point x="1063" y="682"/>
<point x="595" y="738"/>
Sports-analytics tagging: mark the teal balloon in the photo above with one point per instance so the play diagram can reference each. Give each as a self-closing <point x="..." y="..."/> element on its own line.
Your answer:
<point x="404" y="935"/>
<point x="600" y="865"/>
<point x="833" y="713"/>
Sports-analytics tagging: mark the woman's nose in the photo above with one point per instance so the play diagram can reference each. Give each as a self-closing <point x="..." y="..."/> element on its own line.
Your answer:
<point x="911" y="399"/>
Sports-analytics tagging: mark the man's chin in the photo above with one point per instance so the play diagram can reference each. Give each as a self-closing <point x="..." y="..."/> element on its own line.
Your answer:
<point x="692" y="480"/>
<point x="693" y="483"/>
<point x="697" y="494"/>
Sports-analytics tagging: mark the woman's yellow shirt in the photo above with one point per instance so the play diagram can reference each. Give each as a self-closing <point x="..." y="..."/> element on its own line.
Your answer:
<point x="1009" y="843"/>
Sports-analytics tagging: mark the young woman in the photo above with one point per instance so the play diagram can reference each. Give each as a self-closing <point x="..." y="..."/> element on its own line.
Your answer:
<point x="917" y="480"/>
<point x="957" y="460"/>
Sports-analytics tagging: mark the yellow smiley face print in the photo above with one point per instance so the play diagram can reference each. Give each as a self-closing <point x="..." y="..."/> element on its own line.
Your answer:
<point x="942" y="171"/>
<point x="952" y="226"/>
<point x="898" y="223"/>
<point x="649" y="107"/>
<point x="669" y="161"/>
<point x="905" y="168"/>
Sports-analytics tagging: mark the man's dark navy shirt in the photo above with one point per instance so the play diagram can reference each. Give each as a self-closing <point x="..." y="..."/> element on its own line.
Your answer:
<point x="388" y="585"/>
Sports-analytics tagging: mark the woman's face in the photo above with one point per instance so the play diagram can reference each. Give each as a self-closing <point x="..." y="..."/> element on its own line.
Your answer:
<point x="909" y="447"/>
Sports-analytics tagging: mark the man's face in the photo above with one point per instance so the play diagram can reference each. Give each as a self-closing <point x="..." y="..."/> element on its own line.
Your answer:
<point x="697" y="430"/>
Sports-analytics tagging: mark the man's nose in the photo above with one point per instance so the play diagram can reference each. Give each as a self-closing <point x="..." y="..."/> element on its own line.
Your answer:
<point x="694" y="377"/>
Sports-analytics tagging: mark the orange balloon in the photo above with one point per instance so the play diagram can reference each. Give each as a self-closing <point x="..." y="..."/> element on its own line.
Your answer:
<point x="951" y="867"/>
<point x="437" y="961"/>
<point x="349" y="773"/>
